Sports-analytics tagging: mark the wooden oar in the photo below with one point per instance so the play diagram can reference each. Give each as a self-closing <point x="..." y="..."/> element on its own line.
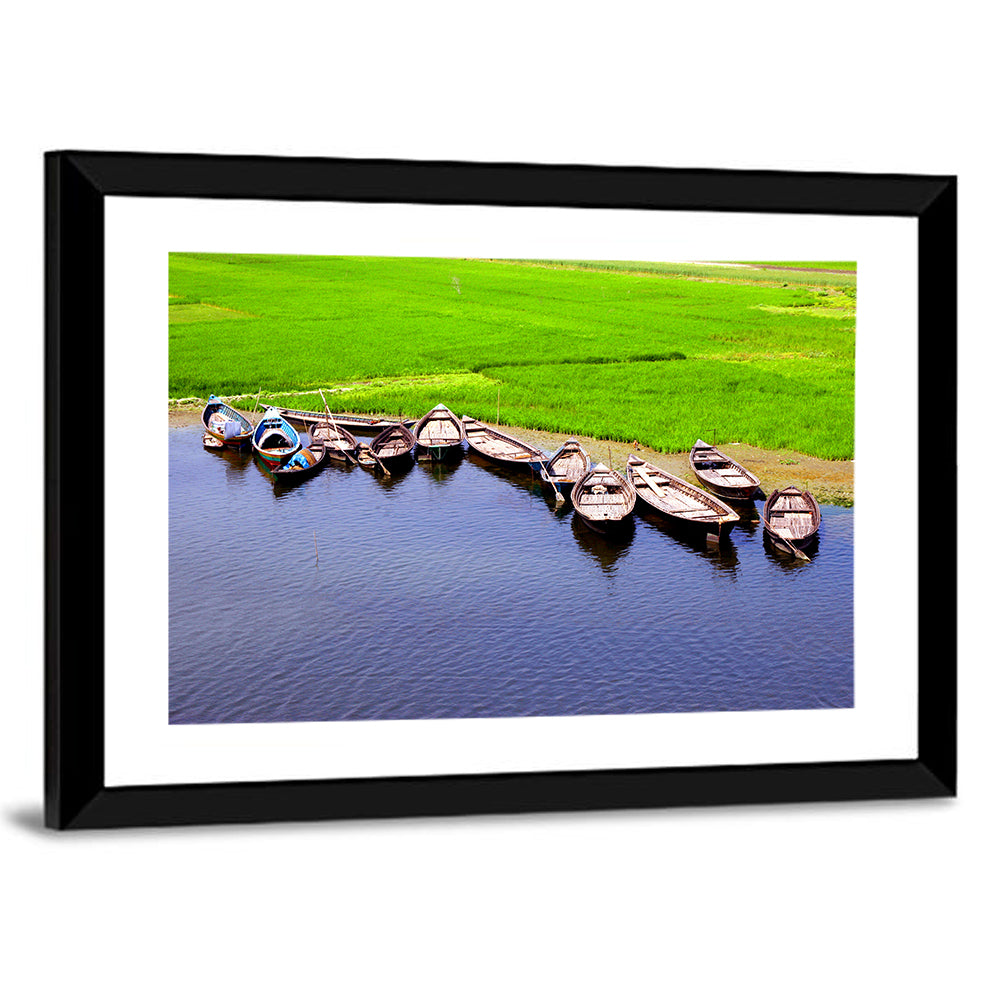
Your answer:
<point x="379" y="460"/>
<point x="650" y="482"/>
<point x="715" y="539"/>
<point x="555" y="489"/>
<point x="793" y="549"/>
<point x="797" y="552"/>
<point x="326" y="406"/>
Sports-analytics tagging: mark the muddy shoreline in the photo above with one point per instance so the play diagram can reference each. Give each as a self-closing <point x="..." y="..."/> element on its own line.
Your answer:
<point x="830" y="482"/>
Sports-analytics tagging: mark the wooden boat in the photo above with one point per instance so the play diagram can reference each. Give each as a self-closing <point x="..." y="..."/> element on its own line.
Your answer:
<point x="350" y="421"/>
<point x="341" y="444"/>
<point x="275" y="440"/>
<point x="393" y="445"/>
<point x="720" y="474"/>
<point x="500" y="447"/>
<point x="228" y="426"/>
<point x="566" y="466"/>
<point x="679" y="500"/>
<point x="439" y="432"/>
<point x="303" y="463"/>
<point x="603" y="498"/>
<point x="791" y="519"/>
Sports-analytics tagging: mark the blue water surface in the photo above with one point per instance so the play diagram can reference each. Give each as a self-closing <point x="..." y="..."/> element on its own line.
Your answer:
<point x="458" y="591"/>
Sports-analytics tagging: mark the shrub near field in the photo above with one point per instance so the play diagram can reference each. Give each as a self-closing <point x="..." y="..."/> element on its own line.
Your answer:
<point x="660" y="357"/>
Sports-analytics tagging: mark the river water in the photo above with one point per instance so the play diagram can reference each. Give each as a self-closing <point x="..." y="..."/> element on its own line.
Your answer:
<point x="458" y="591"/>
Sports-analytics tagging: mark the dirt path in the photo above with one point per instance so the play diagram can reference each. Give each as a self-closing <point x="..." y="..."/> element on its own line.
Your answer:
<point x="829" y="482"/>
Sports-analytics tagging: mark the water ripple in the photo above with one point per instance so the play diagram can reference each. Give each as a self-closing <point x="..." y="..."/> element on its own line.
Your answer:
<point x="459" y="591"/>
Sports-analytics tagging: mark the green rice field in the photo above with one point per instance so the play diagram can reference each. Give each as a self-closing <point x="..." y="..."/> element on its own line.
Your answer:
<point x="624" y="350"/>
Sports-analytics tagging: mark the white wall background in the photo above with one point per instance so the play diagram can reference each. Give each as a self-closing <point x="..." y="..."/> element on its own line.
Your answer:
<point x="810" y="901"/>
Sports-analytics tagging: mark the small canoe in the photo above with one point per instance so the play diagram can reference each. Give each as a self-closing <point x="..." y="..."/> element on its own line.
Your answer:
<point x="603" y="498"/>
<point x="679" y="500"/>
<point x="720" y="474"/>
<point x="439" y="432"/>
<point x="350" y="421"/>
<point x="500" y="447"/>
<point x="275" y="440"/>
<point x="394" y="444"/>
<point x="228" y="426"/>
<point x="791" y="516"/>
<point x="341" y="444"/>
<point x="303" y="463"/>
<point x="566" y="466"/>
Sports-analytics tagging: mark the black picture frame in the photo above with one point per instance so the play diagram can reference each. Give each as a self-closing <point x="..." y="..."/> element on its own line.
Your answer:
<point x="77" y="182"/>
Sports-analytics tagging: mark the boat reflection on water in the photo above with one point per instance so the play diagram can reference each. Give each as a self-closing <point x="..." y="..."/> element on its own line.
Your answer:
<point x="478" y="562"/>
<point x="747" y="510"/>
<point x="441" y="469"/>
<point x="722" y="555"/>
<point x="236" y="460"/>
<point x="604" y="549"/>
<point x="786" y="561"/>
<point x="397" y="473"/>
<point x="524" y="481"/>
<point x="283" y="486"/>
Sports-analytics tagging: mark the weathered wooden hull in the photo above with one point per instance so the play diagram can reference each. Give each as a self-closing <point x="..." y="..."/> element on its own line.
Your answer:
<point x="610" y="526"/>
<point x="564" y="486"/>
<point x="496" y="446"/>
<point x="341" y="445"/>
<point x="439" y="434"/>
<point x="566" y="467"/>
<point x="720" y="475"/>
<point x="683" y="505"/>
<point x="352" y="421"/>
<point x="744" y="493"/>
<point x="439" y="453"/>
<point x="604" y="499"/>
<point x="393" y="446"/>
<point x="720" y="528"/>
<point x="792" y="516"/>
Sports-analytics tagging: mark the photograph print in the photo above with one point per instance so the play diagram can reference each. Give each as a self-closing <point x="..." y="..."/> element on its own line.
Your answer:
<point x="407" y="488"/>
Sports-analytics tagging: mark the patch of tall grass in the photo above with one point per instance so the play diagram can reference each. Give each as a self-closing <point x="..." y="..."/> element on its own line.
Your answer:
<point x="608" y="353"/>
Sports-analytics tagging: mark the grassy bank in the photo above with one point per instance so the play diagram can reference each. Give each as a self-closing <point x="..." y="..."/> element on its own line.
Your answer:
<point x="618" y="350"/>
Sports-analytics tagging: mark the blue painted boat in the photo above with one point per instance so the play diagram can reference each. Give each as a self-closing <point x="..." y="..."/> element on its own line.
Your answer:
<point x="275" y="440"/>
<point x="303" y="463"/>
<point x="225" y="425"/>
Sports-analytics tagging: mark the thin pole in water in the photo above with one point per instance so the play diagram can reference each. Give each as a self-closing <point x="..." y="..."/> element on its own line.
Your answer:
<point x="498" y="406"/>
